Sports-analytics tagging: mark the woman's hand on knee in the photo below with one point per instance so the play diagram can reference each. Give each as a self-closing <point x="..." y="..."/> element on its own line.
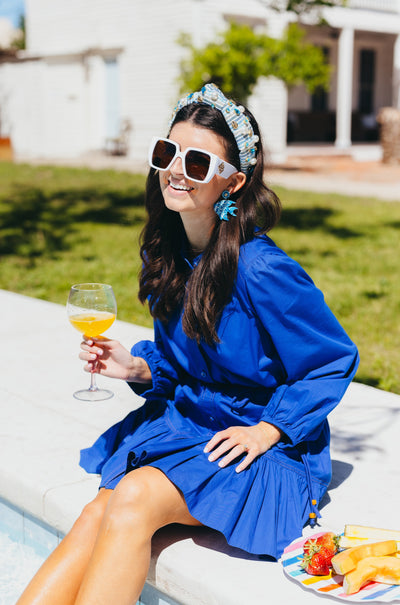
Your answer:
<point x="239" y="440"/>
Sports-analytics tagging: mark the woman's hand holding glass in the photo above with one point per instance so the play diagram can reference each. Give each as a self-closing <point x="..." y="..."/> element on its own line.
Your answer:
<point x="237" y="440"/>
<point x="110" y="358"/>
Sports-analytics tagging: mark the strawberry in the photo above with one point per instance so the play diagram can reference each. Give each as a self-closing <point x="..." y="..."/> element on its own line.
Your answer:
<point x="318" y="553"/>
<point x="329" y="540"/>
<point x="317" y="562"/>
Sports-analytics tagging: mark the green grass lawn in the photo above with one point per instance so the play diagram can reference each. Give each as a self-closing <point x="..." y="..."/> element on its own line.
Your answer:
<point x="61" y="226"/>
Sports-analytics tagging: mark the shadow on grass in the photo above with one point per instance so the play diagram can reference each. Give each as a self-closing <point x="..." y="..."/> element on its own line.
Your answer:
<point x="305" y="219"/>
<point x="370" y="381"/>
<point x="34" y="223"/>
<point x="393" y="224"/>
<point x="31" y="224"/>
<point x="101" y="205"/>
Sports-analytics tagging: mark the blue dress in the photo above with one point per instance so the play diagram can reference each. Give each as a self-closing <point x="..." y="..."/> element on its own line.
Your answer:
<point x="282" y="358"/>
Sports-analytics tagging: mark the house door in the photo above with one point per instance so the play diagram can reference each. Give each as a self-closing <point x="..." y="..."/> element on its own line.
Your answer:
<point x="112" y="98"/>
<point x="364" y="125"/>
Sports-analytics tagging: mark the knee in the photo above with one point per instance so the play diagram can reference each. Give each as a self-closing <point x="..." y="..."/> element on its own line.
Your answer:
<point x="133" y="492"/>
<point x="93" y="512"/>
<point x="131" y="502"/>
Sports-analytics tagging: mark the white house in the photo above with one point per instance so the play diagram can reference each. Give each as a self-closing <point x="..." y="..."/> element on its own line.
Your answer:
<point x="90" y="64"/>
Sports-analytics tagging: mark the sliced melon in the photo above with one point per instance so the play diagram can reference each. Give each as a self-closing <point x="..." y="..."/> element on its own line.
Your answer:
<point x="383" y="569"/>
<point x="346" y="560"/>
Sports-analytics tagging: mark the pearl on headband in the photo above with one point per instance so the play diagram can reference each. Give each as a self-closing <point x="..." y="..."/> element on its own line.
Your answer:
<point x="238" y="122"/>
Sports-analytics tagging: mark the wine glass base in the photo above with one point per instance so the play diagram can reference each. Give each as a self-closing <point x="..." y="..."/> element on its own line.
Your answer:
<point x="93" y="394"/>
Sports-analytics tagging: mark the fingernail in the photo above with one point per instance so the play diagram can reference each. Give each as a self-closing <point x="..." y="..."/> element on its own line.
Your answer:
<point x="92" y="356"/>
<point x="211" y="458"/>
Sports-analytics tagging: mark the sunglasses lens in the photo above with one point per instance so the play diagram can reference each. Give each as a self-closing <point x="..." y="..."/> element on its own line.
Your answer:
<point x="163" y="154"/>
<point x="197" y="164"/>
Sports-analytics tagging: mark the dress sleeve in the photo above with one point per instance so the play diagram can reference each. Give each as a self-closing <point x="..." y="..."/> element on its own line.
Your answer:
<point x="164" y="375"/>
<point x="318" y="358"/>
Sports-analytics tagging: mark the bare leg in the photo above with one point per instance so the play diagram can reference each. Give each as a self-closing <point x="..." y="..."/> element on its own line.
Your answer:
<point x="144" y="501"/>
<point x="59" y="578"/>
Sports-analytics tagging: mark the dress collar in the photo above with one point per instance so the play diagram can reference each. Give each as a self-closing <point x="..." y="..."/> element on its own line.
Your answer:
<point x="186" y="252"/>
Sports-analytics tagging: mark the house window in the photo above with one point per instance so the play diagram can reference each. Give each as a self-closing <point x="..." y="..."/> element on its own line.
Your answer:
<point x="319" y="98"/>
<point x="366" y="81"/>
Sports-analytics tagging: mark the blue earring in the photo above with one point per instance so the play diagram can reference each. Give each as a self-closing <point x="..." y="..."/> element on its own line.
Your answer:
<point x="225" y="206"/>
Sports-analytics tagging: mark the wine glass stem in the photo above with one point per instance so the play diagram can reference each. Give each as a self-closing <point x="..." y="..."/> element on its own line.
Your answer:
<point x="93" y="385"/>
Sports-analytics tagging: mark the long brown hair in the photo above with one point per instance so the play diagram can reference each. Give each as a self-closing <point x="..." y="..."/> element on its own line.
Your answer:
<point x="166" y="281"/>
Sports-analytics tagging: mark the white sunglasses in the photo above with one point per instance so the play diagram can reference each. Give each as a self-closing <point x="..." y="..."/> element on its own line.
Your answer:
<point x="197" y="164"/>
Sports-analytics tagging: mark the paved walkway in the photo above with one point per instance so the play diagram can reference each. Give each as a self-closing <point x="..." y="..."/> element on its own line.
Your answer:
<point x="43" y="428"/>
<point x="338" y="174"/>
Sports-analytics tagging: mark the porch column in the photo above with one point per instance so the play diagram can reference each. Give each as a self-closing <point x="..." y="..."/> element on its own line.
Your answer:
<point x="396" y="74"/>
<point x="344" y="88"/>
<point x="269" y="102"/>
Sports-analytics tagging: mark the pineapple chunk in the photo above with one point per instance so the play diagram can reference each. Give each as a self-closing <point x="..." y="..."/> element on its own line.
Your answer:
<point x="351" y="541"/>
<point x="371" y="533"/>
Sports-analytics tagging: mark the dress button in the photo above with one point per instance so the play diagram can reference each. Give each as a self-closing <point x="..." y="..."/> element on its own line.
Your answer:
<point x="212" y="418"/>
<point x="203" y="374"/>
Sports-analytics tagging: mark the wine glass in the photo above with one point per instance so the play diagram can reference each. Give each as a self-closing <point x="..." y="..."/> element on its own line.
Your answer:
<point x="92" y="309"/>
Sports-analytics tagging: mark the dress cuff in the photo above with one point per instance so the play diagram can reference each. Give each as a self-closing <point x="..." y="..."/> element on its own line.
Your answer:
<point x="162" y="373"/>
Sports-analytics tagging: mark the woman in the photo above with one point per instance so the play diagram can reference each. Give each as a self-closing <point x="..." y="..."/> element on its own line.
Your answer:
<point x="246" y="365"/>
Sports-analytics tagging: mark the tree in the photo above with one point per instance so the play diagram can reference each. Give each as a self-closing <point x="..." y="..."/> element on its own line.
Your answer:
<point x="303" y="7"/>
<point x="240" y="56"/>
<point x="20" y="41"/>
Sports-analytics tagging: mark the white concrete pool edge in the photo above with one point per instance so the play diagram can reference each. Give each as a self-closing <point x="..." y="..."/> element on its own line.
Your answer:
<point x="43" y="428"/>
